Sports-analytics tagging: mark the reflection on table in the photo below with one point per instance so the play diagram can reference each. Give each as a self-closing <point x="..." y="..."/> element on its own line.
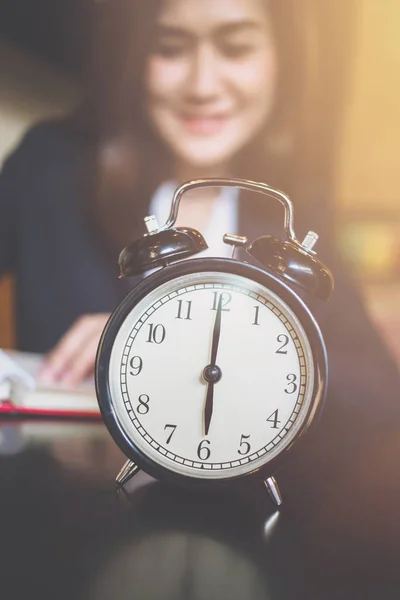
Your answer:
<point x="67" y="532"/>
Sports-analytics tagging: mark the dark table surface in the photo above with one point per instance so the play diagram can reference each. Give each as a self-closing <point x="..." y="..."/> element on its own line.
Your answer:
<point x="66" y="532"/>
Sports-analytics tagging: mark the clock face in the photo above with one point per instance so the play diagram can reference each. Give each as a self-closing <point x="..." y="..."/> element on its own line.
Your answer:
<point x="211" y="375"/>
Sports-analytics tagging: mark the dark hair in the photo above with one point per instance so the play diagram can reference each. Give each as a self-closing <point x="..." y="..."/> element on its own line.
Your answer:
<point x="293" y="152"/>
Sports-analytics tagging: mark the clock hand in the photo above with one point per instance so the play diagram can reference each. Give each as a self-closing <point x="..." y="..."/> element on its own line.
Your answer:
<point x="208" y="407"/>
<point x="216" y="333"/>
<point x="212" y="373"/>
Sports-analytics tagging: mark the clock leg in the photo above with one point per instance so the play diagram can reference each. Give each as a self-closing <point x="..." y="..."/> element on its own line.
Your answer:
<point x="128" y="471"/>
<point x="273" y="490"/>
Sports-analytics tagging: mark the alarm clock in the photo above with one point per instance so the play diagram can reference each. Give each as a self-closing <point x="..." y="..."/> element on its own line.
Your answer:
<point x="211" y="369"/>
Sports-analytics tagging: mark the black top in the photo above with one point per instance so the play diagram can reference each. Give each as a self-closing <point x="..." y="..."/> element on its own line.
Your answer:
<point x="63" y="270"/>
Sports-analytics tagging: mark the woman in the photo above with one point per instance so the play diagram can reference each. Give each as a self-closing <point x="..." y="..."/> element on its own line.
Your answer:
<point x="180" y="89"/>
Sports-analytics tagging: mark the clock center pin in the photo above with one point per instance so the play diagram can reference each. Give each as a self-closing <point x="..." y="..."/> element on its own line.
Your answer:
<point x="212" y="373"/>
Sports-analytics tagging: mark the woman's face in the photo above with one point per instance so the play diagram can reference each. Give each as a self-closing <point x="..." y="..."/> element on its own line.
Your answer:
<point x="210" y="79"/>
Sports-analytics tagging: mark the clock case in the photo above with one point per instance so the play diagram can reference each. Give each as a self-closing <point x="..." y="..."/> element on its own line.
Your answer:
<point x="282" y="264"/>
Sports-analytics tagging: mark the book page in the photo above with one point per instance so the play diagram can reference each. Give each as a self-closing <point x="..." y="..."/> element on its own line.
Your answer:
<point x="11" y="371"/>
<point x="31" y="363"/>
<point x="45" y="396"/>
<point x="5" y="390"/>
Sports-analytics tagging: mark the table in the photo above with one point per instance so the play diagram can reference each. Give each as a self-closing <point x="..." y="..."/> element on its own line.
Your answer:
<point x="68" y="533"/>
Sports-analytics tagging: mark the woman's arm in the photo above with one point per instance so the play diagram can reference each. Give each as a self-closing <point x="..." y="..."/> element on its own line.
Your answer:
<point x="73" y="358"/>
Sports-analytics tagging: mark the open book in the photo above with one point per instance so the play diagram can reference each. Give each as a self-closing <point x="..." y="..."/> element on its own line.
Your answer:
<point x="22" y="393"/>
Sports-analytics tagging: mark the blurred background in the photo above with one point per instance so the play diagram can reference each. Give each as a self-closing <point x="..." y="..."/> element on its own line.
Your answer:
<point x="42" y="44"/>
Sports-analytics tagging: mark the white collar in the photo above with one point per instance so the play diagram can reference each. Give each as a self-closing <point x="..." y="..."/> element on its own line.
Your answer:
<point x="223" y="217"/>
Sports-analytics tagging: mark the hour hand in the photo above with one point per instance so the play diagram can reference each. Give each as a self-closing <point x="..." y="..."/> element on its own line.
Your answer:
<point x="208" y="407"/>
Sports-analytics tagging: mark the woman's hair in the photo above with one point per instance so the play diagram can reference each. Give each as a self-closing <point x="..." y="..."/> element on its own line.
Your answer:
<point x="293" y="151"/>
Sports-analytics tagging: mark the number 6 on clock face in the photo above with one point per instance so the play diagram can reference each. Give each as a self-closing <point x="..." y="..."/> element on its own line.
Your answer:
<point x="209" y="371"/>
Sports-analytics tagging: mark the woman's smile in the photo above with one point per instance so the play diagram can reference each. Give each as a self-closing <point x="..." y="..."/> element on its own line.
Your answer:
<point x="205" y="125"/>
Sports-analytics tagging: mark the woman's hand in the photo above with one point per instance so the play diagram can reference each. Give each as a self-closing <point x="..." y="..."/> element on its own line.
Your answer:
<point x="73" y="358"/>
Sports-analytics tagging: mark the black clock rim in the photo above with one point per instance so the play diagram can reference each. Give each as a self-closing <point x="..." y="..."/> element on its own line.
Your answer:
<point x="205" y="265"/>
